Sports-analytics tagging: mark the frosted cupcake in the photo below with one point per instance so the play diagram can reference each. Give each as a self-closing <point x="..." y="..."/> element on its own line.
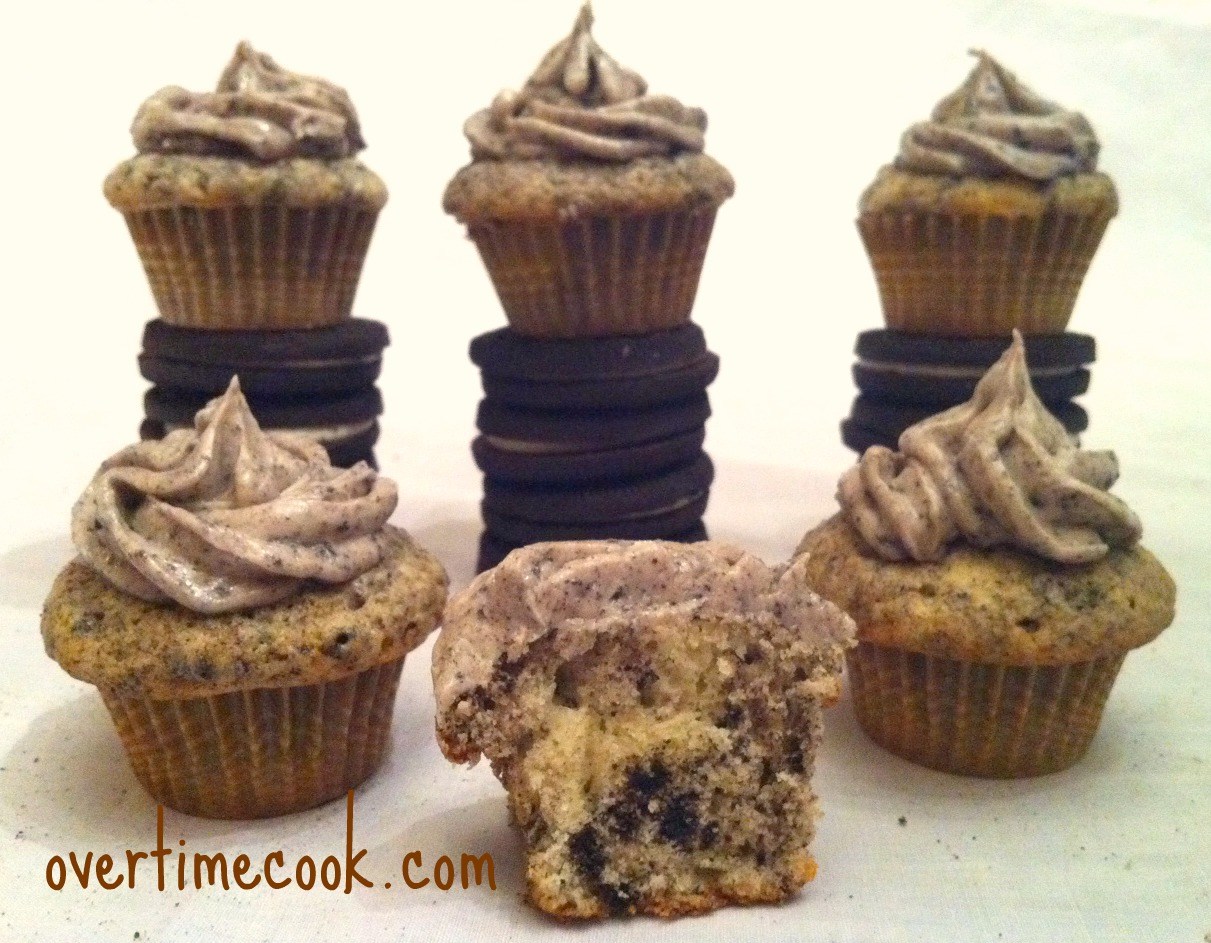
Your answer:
<point x="990" y="214"/>
<point x="589" y="199"/>
<point x="996" y="584"/>
<point x="653" y="710"/>
<point x="244" y="609"/>
<point x="247" y="205"/>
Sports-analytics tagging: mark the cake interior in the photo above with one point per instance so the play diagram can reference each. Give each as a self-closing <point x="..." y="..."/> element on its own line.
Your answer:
<point x="664" y="771"/>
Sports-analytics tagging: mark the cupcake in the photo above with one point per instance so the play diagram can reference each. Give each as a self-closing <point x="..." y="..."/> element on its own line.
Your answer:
<point x="244" y="609"/>
<point x="990" y="214"/>
<point x="996" y="584"/>
<point x="247" y="205"/>
<point x="590" y="200"/>
<point x="653" y="710"/>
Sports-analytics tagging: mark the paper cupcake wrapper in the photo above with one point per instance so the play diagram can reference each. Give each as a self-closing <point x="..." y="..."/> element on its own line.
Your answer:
<point x="597" y="276"/>
<point x="253" y="267"/>
<point x="979" y="276"/>
<point x="979" y="719"/>
<point x="261" y="752"/>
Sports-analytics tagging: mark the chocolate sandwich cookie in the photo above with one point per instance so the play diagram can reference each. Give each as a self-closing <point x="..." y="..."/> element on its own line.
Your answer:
<point x="567" y="468"/>
<point x="675" y="519"/>
<point x="617" y="392"/>
<point x="492" y="549"/>
<point x="600" y="503"/>
<point x="177" y="407"/>
<point x="1043" y="351"/>
<point x="883" y="421"/>
<point x="527" y="430"/>
<point x="505" y="353"/>
<point x="941" y="387"/>
<point x="346" y="356"/>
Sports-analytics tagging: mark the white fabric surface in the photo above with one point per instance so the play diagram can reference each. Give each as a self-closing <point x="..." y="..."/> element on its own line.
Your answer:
<point x="805" y="104"/>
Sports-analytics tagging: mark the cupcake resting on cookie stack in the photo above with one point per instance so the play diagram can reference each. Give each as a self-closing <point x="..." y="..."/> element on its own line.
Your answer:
<point x="986" y="222"/>
<point x="591" y="203"/>
<point x="252" y="217"/>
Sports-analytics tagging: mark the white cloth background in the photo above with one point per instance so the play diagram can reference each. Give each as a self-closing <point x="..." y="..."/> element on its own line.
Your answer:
<point x="806" y="101"/>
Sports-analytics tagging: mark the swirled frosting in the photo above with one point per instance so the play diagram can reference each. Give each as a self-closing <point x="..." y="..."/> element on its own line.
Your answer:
<point x="575" y="591"/>
<point x="225" y="517"/>
<point x="580" y="103"/>
<point x="994" y="126"/>
<point x="258" y="110"/>
<point x="996" y="470"/>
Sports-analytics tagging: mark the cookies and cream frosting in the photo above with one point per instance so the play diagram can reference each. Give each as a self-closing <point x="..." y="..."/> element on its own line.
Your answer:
<point x="570" y="593"/>
<point x="258" y="111"/>
<point x="580" y="103"/>
<point x="225" y="517"/>
<point x="996" y="470"/>
<point x="994" y="126"/>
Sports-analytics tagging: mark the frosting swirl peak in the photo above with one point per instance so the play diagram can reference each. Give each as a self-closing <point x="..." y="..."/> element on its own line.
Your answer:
<point x="225" y="517"/>
<point x="258" y="110"/>
<point x="996" y="470"/>
<point x="581" y="103"/>
<point x="994" y="126"/>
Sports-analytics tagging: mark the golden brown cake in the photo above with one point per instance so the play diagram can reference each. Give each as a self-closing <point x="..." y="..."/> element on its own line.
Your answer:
<point x="653" y="710"/>
<point x="589" y="199"/>
<point x="996" y="584"/>
<point x="246" y="204"/>
<point x="244" y="610"/>
<point x="990" y="214"/>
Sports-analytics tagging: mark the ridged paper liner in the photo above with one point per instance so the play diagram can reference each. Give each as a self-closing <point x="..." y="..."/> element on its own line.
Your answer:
<point x="979" y="276"/>
<point x="253" y="267"/>
<point x="597" y="276"/>
<point x="260" y="752"/>
<point x="979" y="719"/>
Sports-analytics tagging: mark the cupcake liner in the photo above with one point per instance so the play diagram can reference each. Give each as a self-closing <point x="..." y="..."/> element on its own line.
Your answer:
<point x="253" y="267"/>
<point x="1003" y="721"/>
<point x="259" y="752"/>
<point x="597" y="276"/>
<point x="979" y="276"/>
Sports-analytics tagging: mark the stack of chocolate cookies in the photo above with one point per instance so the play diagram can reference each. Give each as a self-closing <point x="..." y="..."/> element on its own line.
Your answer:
<point x="905" y="377"/>
<point x="592" y="437"/>
<point x="318" y="382"/>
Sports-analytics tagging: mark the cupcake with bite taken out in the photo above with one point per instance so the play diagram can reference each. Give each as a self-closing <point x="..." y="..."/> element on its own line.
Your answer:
<point x="244" y="609"/>
<point x="996" y="584"/>
<point x="989" y="216"/>
<point x="590" y="199"/>
<point x="247" y="205"/>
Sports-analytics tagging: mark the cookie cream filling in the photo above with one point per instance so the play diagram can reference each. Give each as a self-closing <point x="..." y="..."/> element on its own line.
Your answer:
<point x="581" y="103"/>
<point x="996" y="470"/>
<point x="225" y="517"/>
<point x="994" y="126"/>
<point x="258" y="110"/>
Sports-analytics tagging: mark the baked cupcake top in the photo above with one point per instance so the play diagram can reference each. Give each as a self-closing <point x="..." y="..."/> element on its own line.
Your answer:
<point x="224" y="517"/>
<point x="998" y="470"/>
<point x="584" y="135"/>
<point x="565" y="596"/>
<point x="265" y="134"/>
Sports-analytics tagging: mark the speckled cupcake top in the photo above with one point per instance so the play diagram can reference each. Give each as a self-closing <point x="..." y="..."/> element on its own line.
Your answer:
<point x="571" y="593"/>
<point x="581" y="104"/>
<point x="994" y="126"/>
<point x="997" y="470"/>
<point x="258" y="111"/>
<point x="225" y="517"/>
